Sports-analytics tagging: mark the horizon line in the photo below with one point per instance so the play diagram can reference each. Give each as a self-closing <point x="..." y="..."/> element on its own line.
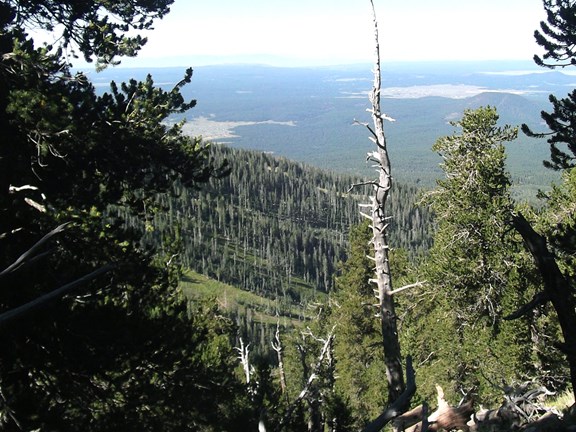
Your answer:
<point x="287" y="62"/>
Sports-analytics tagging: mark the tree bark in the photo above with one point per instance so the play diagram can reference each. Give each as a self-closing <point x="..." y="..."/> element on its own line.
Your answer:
<point x="400" y="404"/>
<point x="556" y="289"/>
<point x="391" y="344"/>
<point x="277" y="346"/>
<point x="244" y="357"/>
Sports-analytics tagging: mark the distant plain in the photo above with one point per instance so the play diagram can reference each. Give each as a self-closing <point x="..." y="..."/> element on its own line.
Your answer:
<point x="307" y="114"/>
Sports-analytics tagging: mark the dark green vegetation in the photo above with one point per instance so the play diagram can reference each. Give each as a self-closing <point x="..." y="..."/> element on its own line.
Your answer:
<point x="558" y="40"/>
<point x="105" y="206"/>
<point x="467" y="327"/>
<point x="95" y="335"/>
<point x="477" y="273"/>
<point x="278" y="228"/>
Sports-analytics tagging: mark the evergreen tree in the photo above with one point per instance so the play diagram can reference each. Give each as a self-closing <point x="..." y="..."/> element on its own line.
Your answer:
<point x="558" y="37"/>
<point x="357" y="348"/>
<point x="94" y="334"/>
<point x="555" y="229"/>
<point x="277" y="227"/>
<point x="473" y="271"/>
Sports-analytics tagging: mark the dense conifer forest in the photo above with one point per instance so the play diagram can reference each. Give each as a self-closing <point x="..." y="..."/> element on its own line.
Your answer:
<point x="279" y="228"/>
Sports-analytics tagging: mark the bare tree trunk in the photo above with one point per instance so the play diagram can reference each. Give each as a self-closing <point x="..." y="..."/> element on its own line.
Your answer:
<point x="244" y="357"/>
<point x="557" y="290"/>
<point x="277" y="346"/>
<point x="383" y="278"/>
<point x="399" y="394"/>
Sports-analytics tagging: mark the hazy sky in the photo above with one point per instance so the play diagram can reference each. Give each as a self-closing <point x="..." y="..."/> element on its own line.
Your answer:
<point x="340" y="31"/>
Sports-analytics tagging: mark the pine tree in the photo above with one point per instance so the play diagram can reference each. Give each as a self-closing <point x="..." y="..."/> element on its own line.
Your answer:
<point x="473" y="267"/>
<point x="95" y="334"/>
<point x="558" y="37"/>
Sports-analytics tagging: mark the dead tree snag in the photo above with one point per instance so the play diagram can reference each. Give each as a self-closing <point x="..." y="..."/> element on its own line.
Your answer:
<point x="379" y="219"/>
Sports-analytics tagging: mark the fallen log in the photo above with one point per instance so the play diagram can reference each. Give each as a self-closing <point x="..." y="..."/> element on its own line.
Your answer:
<point x="549" y="422"/>
<point x="408" y="419"/>
<point x="445" y="417"/>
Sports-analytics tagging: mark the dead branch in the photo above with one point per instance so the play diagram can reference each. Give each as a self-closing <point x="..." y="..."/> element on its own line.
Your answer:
<point x="277" y="346"/>
<point x="324" y="352"/>
<point x="26" y="256"/>
<point x="405" y="287"/>
<point x="58" y="293"/>
<point x="364" y="183"/>
<point x="35" y="205"/>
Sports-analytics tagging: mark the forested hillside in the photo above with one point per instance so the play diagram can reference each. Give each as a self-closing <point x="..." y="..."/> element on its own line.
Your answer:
<point x="278" y="228"/>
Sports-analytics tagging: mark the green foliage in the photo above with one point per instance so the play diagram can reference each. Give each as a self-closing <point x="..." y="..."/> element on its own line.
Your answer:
<point x="99" y="28"/>
<point x="278" y="228"/>
<point x="471" y="206"/>
<point x="562" y="138"/>
<point x="358" y="346"/>
<point x="310" y="375"/>
<point x="557" y="37"/>
<point x="558" y="221"/>
<point x="238" y="302"/>
<point x="476" y="271"/>
<point x="124" y="351"/>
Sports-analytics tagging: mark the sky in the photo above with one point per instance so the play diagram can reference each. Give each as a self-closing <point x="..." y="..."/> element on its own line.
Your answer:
<point x="320" y="32"/>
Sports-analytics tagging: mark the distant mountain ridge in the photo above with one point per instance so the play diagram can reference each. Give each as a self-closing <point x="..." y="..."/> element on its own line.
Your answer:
<point x="513" y="108"/>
